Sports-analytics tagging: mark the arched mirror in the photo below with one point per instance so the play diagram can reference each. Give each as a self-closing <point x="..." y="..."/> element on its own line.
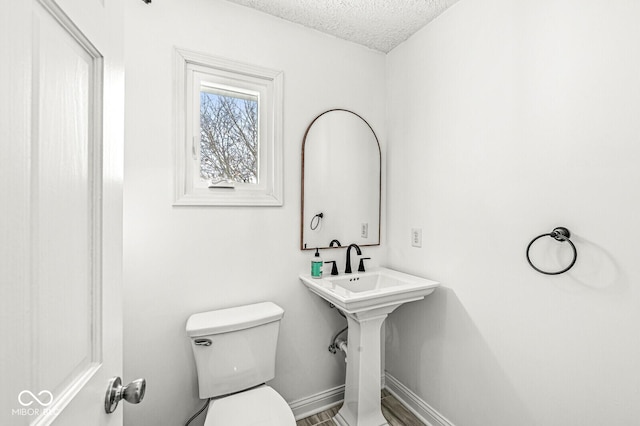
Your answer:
<point x="341" y="181"/>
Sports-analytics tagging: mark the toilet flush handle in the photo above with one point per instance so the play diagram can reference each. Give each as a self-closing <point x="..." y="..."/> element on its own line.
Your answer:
<point x="202" y="342"/>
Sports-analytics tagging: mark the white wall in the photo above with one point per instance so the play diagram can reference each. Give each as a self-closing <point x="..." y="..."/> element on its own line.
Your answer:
<point x="507" y="118"/>
<point x="182" y="260"/>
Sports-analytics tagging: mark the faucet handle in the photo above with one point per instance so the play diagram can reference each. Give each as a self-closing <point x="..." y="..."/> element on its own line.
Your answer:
<point x="334" y="268"/>
<point x="361" y="266"/>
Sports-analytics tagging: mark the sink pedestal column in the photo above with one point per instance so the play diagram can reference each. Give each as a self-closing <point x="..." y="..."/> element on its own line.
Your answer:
<point x="362" y="389"/>
<point x="366" y="299"/>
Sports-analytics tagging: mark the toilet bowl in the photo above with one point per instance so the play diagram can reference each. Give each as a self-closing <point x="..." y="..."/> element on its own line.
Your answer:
<point x="258" y="406"/>
<point x="235" y="353"/>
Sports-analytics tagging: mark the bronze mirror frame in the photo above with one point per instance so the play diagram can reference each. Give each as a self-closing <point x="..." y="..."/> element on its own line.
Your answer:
<point x="302" y="179"/>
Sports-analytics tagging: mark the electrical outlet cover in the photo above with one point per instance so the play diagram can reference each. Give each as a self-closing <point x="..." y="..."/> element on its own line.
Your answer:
<point x="416" y="237"/>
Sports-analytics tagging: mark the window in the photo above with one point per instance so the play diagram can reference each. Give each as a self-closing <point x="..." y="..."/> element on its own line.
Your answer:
<point x="228" y="136"/>
<point x="228" y="132"/>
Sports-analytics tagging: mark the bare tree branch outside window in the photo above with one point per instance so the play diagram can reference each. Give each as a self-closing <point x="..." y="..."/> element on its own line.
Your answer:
<point x="228" y="138"/>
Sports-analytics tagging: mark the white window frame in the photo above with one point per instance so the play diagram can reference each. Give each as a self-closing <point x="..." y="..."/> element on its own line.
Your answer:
<point x="192" y="69"/>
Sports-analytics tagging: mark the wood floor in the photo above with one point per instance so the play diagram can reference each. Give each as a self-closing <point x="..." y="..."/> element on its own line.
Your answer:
<point x="395" y="413"/>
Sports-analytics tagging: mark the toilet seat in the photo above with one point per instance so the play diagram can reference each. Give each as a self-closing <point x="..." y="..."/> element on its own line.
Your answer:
<point x="259" y="406"/>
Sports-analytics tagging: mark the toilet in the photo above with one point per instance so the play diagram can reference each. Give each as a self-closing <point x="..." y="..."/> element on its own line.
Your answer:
<point x="235" y="354"/>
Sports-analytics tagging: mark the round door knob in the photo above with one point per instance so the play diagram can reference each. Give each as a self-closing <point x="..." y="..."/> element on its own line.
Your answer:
<point x="133" y="393"/>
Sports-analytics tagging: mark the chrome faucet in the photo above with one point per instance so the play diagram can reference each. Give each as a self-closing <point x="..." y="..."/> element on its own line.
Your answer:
<point x="347" y="269"/>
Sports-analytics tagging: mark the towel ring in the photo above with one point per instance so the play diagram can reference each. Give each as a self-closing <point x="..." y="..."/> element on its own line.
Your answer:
<point x="315" y="221"/>
<point x="560" y="234"/>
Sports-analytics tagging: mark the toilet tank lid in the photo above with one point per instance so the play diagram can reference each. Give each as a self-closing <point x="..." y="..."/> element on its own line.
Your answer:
<point x="233" y="319"/>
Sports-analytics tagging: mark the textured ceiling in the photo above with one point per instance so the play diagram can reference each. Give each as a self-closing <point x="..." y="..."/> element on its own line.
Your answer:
<point x="378" y="24"/>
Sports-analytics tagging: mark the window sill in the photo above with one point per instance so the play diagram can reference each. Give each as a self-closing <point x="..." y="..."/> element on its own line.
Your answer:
<point x="228" y="197"/>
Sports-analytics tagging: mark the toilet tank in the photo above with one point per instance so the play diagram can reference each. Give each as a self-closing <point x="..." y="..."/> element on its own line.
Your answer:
<point x="234" y="348"/>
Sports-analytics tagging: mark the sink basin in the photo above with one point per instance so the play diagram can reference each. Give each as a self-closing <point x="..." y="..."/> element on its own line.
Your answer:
<point x="363" y="291"/>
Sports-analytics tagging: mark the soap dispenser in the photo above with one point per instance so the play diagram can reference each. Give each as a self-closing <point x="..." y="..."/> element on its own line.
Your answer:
<point x="316" y="266"/>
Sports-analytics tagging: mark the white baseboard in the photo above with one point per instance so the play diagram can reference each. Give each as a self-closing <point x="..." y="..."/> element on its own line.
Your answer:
<point x="414" y="403"/>
<point x="305" y="407"/>
<point x="313" y="404"/>
<point x="321" y="401"/>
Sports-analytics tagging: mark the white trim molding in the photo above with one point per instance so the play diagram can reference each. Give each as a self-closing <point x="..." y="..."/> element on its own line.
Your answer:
<point x="308" y="406"/>
<point x="414" y="403"/>
<point x="305" y="407"/>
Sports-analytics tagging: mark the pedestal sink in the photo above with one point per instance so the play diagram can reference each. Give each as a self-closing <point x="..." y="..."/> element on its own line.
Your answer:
<point x="366" y="298"/>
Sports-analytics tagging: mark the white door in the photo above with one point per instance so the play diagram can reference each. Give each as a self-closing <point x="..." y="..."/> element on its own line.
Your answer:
<point x="61" y="135"/>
